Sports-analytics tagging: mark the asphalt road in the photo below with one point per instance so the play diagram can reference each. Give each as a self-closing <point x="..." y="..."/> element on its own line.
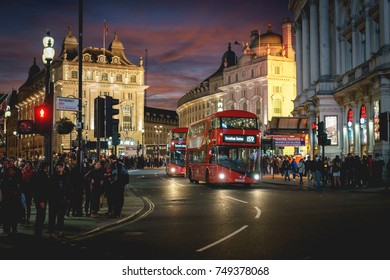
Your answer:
<point x="182" y="220"/>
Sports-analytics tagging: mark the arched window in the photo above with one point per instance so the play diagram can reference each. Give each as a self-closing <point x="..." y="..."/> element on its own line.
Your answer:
<point x="245" y="106"/>
<point x="258" y="107"/>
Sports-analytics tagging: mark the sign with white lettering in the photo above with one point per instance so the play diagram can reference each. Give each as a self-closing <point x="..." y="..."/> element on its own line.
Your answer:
<point x="282" y="141"/>
<point x="67" y="104"/>
<point x="180" y="146"/>
<point x="239" y="138"/>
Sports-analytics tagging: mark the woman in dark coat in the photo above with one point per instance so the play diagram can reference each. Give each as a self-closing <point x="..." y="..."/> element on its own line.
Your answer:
<point x="96" y="179"/>
<point x="40" y="183"/>
<point x="11" y="201"/>
<point x="59" y="195"/>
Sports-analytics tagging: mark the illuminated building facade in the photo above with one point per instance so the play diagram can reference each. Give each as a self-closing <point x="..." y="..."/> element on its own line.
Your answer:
<point x="106" y="72"/>
<point x="343" y="58"/>
<point x="261" y="80"/>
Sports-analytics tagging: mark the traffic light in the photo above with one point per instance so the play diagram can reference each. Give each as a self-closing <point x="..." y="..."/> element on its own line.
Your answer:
<point x="322" y="135"/>
<point x="42" y="119"/>
<point x="25" y="127"/>
<point x="115" y="138"/>
<point x="111" y="123"/>
<point x="384" y="126"/>
<point x="314" y="127"/>
<point x="99" y="118"/>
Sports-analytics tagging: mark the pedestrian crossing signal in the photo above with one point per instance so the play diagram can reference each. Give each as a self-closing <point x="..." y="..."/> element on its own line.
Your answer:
<point x="42" y="119"/>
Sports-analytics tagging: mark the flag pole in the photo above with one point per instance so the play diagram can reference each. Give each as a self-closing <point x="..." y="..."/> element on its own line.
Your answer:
<point x="104" y="37"/>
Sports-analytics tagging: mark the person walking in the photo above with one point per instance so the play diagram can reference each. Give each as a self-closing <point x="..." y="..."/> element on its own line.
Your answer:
<point x="377" y="170"/>
<point x="59" y="194"/>
<point x="27" y="189"/>
<point x="301" y="170"/>
<point x="76" y="182"/>
<point x="319" y="167"/>
<point x="11" y="201"/>
<point x="336" y="171"/>
<point x="40" y="184"/>
<point x="95" y="177"/>
<point x="286" y="165"/>
<point x="294" y="168"/>
<point x="118" y="178"/>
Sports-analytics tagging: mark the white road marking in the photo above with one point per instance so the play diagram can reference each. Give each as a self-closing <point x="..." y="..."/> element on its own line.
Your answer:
<point x="258" y="212"/>
<point x="221" y="240"/>
<point x="236" y="199"/>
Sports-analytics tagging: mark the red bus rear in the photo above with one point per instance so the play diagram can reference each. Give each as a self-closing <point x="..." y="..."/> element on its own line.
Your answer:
<point x="223" y="148"/>
<point x="176" y="148"/>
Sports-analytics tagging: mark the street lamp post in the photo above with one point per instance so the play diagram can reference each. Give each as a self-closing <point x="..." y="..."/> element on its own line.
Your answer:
<point x="143" y="144"/>
<point x="158" y="131"/>
<point x="7" y="114"/>
<point x="47" y="58"/>
<point x="16" y="143"/>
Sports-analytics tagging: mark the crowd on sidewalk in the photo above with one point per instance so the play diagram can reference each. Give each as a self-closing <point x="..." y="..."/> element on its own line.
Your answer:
<point x="69" y="190"/>
<point x="338" y="172"/>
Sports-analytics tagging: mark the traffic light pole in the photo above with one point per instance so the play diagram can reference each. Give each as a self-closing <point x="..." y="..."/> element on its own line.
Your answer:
<point x="49" y="134"/>
<point x="80" y="90"/>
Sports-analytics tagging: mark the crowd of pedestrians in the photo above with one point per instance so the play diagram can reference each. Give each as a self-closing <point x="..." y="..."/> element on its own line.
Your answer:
<point x="338" y="172"/>
<point x="66" y="191"/>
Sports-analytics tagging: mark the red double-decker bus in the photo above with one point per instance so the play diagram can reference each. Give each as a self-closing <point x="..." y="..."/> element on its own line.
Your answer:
<point x="176" y="148"/>
<point x="223" y="148"/>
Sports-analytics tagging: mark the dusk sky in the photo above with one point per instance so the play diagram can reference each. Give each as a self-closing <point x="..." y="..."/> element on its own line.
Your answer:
<point x="185" y="40"/>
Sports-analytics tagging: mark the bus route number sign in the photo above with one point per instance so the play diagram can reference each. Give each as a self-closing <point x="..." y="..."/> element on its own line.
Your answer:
<point x="239" y="138"/>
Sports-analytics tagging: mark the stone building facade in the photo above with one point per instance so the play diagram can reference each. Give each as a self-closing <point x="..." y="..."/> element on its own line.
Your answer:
<point x="343" y="58"/>
<point x="106" y="72"/>
<point x="261" y="80"/>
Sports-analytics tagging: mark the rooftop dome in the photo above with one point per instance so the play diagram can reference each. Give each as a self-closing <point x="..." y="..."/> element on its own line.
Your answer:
<point x="69" y="46"/>
<point x="117" y="49"/>
<point x="34" y="69"/>
<point x="270" y="37"/>
<point x="116" y="44"/>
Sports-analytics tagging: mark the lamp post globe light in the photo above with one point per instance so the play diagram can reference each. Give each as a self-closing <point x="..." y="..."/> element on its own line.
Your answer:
<point x="47" y="58"/>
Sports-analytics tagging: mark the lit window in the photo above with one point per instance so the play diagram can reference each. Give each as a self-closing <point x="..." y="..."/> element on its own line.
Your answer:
<point x="277" y="107"/>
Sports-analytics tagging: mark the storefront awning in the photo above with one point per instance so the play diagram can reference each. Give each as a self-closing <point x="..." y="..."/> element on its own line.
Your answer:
<point x="288" y="125"/>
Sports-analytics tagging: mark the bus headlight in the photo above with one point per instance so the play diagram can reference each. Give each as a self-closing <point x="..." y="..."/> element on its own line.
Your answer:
<point x="256" y="177"/>
<point x="221" y="176"/>
<point x="173" y="170"/>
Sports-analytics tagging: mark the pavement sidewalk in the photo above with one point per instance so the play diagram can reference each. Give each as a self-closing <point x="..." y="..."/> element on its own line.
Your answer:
<point x="278" y="180"/>
<point x="76" y="227"/>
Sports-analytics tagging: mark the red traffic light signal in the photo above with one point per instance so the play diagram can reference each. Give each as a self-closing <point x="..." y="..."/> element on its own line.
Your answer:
<point x="25" y="127"/>
<point x="42" y="118"/>
<point x="314" y="127"/>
